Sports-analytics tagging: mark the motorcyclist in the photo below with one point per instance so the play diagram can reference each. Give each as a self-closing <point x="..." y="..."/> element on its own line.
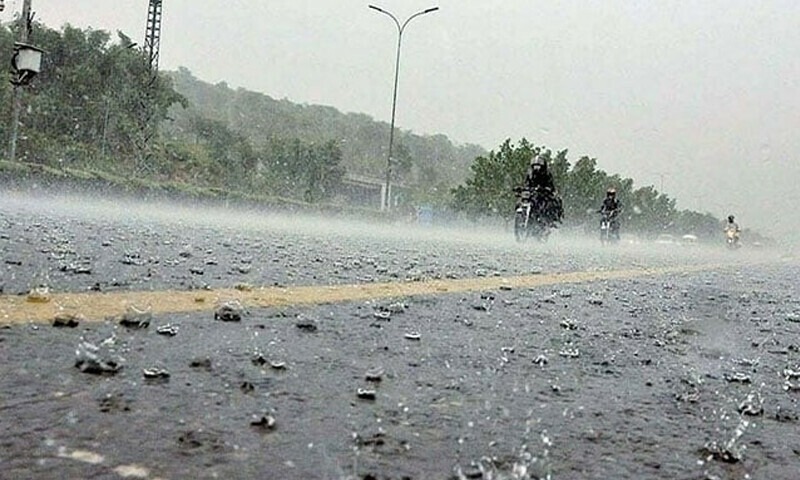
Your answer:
<point x="538" y="176"/>
<point x="611" y="205"/>
<point x="732" y="225"/>
<point x="539" y="180"/>
<point x="611" y="208"/>
<point x="732" y="229"/>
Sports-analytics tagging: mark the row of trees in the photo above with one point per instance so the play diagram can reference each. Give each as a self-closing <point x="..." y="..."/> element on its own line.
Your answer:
<point x="489" y="190"/>
<point x="93" y="99"/>
<point x="98" y="106"/>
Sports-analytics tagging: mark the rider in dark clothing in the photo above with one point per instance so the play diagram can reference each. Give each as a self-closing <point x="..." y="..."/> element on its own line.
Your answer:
<point x="610" y="204"/>
<point x="540" y="181"/>
<point x="539" y="177"/>
<point x="611" y="207"/>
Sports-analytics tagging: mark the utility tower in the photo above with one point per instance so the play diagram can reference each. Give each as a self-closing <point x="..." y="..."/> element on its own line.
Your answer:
<point x="152" y="36"/>
<point x="146" y="117"/>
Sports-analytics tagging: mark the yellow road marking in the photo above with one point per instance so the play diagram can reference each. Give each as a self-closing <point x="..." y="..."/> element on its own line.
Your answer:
<point x="97" y="306"/>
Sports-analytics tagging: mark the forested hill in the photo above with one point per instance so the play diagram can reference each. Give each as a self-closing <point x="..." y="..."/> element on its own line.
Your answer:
<point x="424" y="160"/>
<point x="97" y="106"/>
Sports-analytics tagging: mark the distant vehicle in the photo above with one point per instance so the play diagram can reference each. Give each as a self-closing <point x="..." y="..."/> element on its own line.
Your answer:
<point x="630" y="239"/>
<point x="609" y="228"/>
<point x="689" y="239"/>
<point x="666" y="239"/>
<point x="425" y="215"/>
<point x="530" y="219"/>
<point x="732" y="238"/>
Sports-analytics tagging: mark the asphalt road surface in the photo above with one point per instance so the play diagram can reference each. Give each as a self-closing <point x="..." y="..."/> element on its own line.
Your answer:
<point x="216" y="343"/>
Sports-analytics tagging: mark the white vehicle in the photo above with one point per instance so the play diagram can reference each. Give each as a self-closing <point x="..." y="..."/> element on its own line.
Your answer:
<point x="666" y="239"/>
<point x="689" y="239"/>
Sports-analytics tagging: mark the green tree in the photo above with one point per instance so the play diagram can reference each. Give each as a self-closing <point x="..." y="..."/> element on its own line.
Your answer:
<point x="583" y="191"/>
<point x="230" y="158"/>
<point x="92" y="97"/>
<point x="652" y="212"/>
<point x="305" y="171"/>
<point x="489" y="190"/>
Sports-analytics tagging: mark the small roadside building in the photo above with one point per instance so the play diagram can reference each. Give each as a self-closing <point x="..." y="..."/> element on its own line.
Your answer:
<point x="364" y="191"/>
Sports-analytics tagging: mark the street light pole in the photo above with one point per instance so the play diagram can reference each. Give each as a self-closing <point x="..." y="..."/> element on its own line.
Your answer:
<point x="386" y="197"/>
<point x="24" y="24"/>
<point x="661" y="176"/>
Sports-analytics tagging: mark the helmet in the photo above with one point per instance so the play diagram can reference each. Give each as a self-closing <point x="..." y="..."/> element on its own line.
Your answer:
<point x="730" y="218"/>
<point x="611" y="192"/>
<point x="539" y="163"/>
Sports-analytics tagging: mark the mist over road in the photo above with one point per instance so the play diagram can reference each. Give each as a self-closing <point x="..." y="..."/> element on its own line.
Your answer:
<point x="648" y="361"/>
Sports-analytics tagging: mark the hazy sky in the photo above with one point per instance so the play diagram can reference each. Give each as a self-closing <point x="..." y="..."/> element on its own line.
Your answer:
<point x="703" y="95"/>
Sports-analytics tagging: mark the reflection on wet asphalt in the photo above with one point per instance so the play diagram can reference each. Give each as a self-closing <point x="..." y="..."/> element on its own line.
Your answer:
<point x="682" y="375"/>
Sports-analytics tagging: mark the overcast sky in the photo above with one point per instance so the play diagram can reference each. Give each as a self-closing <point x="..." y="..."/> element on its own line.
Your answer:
<point x="701" y="95"/>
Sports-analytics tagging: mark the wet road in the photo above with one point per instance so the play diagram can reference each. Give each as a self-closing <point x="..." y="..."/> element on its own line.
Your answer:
<point x="668" y="362"/>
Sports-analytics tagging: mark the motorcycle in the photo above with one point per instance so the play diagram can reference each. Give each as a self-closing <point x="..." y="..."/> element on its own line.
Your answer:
<point x="609" y="230"/>
<point x="530" y="217"/>
<point x="732" y="238"/>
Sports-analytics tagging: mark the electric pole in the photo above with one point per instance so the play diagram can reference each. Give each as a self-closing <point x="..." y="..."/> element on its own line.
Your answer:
<point x="24" y="33"/>
<point x="152" y="47"/>
<point x="152" y="35"/>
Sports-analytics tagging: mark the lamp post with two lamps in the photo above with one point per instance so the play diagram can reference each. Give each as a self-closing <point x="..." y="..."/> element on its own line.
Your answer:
<point x="386" y="197"/>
